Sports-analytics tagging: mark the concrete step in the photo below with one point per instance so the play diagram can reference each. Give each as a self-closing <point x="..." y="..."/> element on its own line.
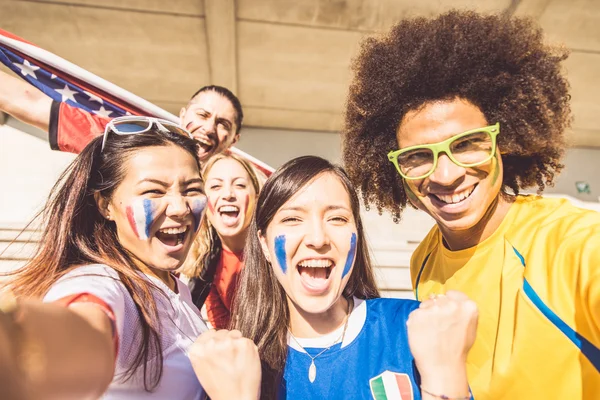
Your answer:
<point x="35" y="226"/>
<point x="17" y="250"/>
<point x="393" y="278"/>
<point x="10" y="265"/>
<point x="18" y="235"/>
<point x="392" y="258"/>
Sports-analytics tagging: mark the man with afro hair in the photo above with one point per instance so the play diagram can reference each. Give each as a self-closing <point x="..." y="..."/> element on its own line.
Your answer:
<point x="457" y="115"/>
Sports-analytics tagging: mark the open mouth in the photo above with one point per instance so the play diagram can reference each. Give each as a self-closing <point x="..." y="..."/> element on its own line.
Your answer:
<point x="455" y="198"/>
<point x="172" y="237"/>
<point x="315" y="273"/>
<point x="229" y="214"/>
<point x="206" y="144"/>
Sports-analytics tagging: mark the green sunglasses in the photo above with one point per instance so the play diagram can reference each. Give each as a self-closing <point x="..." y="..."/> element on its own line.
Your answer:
<point x="467" y="149"/>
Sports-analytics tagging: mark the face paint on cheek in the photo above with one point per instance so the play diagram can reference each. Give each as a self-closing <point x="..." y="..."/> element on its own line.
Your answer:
<point x="280" y="252"/>
<point x="351" y="255"/>
<point x="198" y="206"/>
<point x="140" y="214"/>
<point x="211" y="207"/>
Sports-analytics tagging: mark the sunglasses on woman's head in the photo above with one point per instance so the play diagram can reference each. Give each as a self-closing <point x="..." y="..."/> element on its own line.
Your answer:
<point x="132" y="125"/>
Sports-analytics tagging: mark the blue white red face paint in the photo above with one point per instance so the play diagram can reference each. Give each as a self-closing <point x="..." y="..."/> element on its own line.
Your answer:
<point x="351" y="255"/>
<point x="198" y="205"/>
<point x="140" y="214"/>
<point x="280" y="252"/>
<point x="246" y="202"/>
<point x="211" y="206"/>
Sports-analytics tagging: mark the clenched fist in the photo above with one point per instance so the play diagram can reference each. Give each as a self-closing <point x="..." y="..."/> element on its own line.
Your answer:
<point x="440" y="334"/>
<point x="227" y="365"/>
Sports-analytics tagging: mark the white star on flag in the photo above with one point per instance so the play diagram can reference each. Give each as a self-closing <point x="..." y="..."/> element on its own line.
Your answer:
<point x="52" y="76"/>
<point x="67" y="94"/>
<point x="103" y="112"/>
<point x="27" y="69"/>
<point x="93" y="97"/>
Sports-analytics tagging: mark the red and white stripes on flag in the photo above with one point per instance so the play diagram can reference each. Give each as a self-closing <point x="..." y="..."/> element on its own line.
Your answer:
<point x="42" y="68"/>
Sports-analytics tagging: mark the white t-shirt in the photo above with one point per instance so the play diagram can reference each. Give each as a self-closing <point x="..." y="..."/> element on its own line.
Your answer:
<point x="180" y="325"/>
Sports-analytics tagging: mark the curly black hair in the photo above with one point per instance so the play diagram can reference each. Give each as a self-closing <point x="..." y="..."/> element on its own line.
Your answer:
<point x="496" y="62"/>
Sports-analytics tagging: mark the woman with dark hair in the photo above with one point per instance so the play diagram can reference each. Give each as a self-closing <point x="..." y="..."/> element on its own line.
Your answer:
<point x="307" y="298"/>
<point x="216" y="258"/>
<point x="119" y="221"/>
<point x="456" y="115"/>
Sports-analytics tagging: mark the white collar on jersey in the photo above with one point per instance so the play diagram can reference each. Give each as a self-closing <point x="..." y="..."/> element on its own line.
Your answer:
<point x="356" y="321"/>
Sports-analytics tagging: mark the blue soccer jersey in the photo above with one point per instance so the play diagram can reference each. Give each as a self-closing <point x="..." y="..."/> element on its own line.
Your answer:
<point x="373" y="361"/>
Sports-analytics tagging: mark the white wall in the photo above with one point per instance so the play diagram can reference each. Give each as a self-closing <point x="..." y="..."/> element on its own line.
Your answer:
<point x="28" y="169"/>
<point x="275" y="147"/>
<point x="581" y="164"/>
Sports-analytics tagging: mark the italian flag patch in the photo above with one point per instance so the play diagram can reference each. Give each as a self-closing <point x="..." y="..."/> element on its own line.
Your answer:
<point x="391" y="386"/>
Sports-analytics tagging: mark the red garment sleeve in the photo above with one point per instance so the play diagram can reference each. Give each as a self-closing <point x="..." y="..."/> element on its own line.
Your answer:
<point x="218" y="315"/>
<point x="90" y="298"/>
<point x="72" y="128"/>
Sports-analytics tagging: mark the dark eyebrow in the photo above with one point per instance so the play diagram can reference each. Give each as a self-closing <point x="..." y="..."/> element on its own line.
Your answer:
<point x="329" y="208"/>
<point x="191" y="181"/>
<point x="224" y="120"/>
<point x="219" y="120"/>
<point x="157" y="181"/>
<point x="335" y="207"/>
<point x="165" y="184"/>
<point x="292" y="209"/>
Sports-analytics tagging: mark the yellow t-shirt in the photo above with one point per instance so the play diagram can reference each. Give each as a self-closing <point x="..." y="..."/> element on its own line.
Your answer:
<point x="536" y="282"/>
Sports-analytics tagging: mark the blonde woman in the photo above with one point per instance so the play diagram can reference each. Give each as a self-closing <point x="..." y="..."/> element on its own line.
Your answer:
<point x="216" y="258"/>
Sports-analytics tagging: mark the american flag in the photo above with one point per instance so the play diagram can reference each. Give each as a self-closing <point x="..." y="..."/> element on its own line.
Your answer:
<point x="64" y="81"/>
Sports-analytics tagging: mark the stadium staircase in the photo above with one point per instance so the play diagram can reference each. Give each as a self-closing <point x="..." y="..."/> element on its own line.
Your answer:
<point x="16" y="245"/>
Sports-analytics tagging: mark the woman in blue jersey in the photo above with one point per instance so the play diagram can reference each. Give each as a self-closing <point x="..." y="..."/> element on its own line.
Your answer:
<point x="307" y="298"/>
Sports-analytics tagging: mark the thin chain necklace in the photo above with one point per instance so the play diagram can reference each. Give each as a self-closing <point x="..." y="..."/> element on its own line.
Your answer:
<point x="312" y="370"/>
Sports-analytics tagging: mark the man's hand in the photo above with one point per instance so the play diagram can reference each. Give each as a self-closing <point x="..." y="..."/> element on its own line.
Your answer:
<point x="11" y="378"/>
<point x="440" y="334"/>
<point x="227" y="365"/>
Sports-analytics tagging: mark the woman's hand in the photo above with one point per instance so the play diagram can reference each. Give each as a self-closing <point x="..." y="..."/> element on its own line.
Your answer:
<point x="11" y="379"/>
<point x="227" y="365"/>
<point x="440" y="334"/>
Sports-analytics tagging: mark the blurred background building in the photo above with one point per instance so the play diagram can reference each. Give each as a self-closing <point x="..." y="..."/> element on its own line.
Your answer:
<point x="289" y="63"/>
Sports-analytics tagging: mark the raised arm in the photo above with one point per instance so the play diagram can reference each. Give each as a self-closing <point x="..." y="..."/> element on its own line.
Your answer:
<point x="24" y="102"/>
<point x="227" y="365"/>
<point x="49" y="351"/>
<point x="440" y="334"/>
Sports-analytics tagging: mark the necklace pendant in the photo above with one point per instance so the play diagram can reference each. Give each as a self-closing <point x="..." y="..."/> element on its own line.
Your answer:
<point x="312" y="372"/>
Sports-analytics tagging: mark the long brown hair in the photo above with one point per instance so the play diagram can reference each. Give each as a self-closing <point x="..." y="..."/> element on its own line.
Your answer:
<point x="75" y="233"/>
<point x="207" y="245"/>
<point x="260" y="309"/>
